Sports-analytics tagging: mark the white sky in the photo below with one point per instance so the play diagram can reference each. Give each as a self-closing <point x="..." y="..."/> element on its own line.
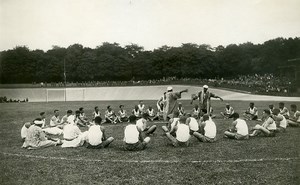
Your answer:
<point x="40" y="24"/>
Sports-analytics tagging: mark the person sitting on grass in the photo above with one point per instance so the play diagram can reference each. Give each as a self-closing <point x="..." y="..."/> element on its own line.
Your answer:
<point x="133" y="139"/>
<point x="173" y="121"/>
<point x="207" y="131"/>
<point x="142" y="125"/>
<point x="68" y="118"/>
<point x="279" y="119"/>
<point x="251" y="113"/>
<point x="110" y="116"/>
<point x="228" y="111"/>
<point x="294" y="119"/>
<point x="55" y="127"/>
<point x="181" y="132"/>
<point x="271" y="108"/>
<point x="268" y="128"/>
<point x="96" y="112"/>
<point x="96" y="137"/>
<point x="122" y="114"/>
<point x="160" y="112"/>
<point x="141" y="106"/>
<point x="180" y="109"/>
<point x="192" y="123"/>
<point x="151" y="114"/>
<point x="72" y="136"/>
<point x="77" y="119"/>
<point x="239" y="128"/>
<point x="24" y="130"/>
<point x="283" y="110"/>
<point x="196" y="111"/>
<point x="82" y="117"/>
<point x="36" y="137"/>
<point x="43" y="118"/>
<point x="136" y="112"/>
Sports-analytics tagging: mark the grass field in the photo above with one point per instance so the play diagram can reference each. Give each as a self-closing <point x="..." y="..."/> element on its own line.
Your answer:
<point x="256" y="161"/>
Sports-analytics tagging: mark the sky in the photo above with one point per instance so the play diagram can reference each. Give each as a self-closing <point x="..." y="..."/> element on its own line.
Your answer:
<point x="41" y="24"/>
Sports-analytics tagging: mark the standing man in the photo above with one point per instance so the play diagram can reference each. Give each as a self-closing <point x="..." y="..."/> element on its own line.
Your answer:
<point x="171" y="102"/>
<point x="204" y="99"/>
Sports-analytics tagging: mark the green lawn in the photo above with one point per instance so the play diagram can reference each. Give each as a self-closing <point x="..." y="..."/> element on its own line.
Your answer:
<point x="83" y="166"/>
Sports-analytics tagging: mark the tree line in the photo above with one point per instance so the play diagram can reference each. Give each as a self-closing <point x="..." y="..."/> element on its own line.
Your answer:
<point x="110" y="61"/>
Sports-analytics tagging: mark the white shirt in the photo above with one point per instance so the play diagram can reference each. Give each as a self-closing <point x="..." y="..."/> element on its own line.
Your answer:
<point x="141" y="107"/>
<point x="150" y="112"/>
<point x="174" y="122"/>
<point x="54" y="121"/>
<point x="141" y="124"/>
<point x="131" y="134"/>
<point x="210" y="129"/>
<point x="95" y="135"/>
<point x="122" y="114"/>
<point x="71" y="131"/>
<point x="97" y="114"/>
<point x="193" y="124"/>
<point x="271" y="125"/>
<point x="253" y="111"/>
<point x="183" y="132"/>
<point x="241" y="127"/>
<point x="283" y="122"/>
<point x="24" y="132"/>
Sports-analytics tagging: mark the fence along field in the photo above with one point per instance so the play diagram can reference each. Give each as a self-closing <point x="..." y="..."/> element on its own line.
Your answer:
<point x="124" y="93"/>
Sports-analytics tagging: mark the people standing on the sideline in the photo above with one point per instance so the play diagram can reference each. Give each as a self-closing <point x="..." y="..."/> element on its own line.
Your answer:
<point x="110" y="116"/>
<point x="122" y="117"/>
<point x="268" y="128"/>
<point x="136" y="112"/>
<point x="180" y="109"/>
<point x="294" y="118"/>
<point x="238" y="129"/>
<point x="251" y="113"/>
<point x="228" y="111"/>
<point x="204" y="97"/>
<point x="179" y="135"/>
<point x="96" y="112"/>
<point x="36" y="137"/>
<point x="283" y="110"/>
<point x="96" y="137"/>
<point x="207" y="131"/>
<point x="133" y="139"/>
<point x="171" y="102"/>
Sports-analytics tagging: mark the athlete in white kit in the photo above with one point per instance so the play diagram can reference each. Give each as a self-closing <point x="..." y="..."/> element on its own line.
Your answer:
<point x="238" y="129"/>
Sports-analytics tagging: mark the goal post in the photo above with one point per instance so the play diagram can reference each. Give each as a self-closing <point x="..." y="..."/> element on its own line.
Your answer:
<point x="56" y="95"/>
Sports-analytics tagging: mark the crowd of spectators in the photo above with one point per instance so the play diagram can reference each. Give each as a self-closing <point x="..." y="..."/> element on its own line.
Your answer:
<point x="4" y="99"/>
<point x="258" y="84"/>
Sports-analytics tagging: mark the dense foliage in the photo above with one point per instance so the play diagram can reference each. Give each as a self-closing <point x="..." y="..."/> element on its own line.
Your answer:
<point x="110" y="61"/>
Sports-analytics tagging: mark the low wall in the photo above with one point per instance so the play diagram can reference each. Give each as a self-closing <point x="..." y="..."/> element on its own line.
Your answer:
<point x="125" y="93"/>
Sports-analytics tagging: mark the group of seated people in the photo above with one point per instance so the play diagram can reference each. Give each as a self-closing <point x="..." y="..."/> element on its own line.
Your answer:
<point x="179" y="129"/>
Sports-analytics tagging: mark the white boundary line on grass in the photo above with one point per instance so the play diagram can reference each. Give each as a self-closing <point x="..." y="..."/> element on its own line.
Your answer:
<point x="154" y="161"/>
